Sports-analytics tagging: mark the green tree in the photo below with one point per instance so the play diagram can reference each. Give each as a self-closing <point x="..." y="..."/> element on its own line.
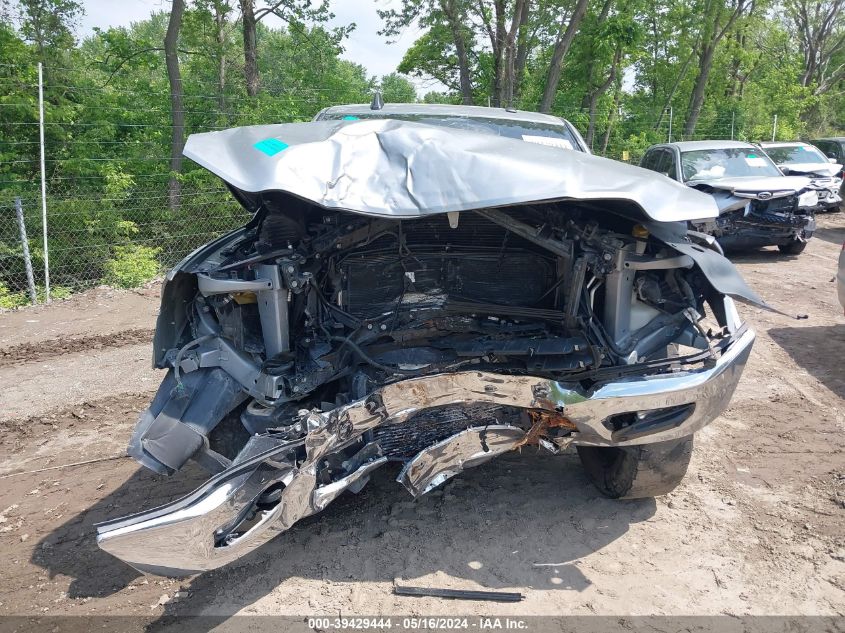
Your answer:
<point x="294" y="13"/>
<point x="719" y="16"/>
<point x="49" y="24"/>
<point x="448" y="19"/>
<point x="396" y="89"/>
<point x="433" y="56"/>
<point x="566" y="30"/>
<point x="177" y="110"/>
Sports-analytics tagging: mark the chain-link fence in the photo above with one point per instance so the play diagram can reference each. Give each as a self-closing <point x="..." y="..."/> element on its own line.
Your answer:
<point x="111" y="215"/>
<point x="99" y="239"/>
<point x="111" y="218"/>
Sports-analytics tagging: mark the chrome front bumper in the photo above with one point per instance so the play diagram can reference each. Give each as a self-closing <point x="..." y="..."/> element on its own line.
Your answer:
<point x="184" y="537"/>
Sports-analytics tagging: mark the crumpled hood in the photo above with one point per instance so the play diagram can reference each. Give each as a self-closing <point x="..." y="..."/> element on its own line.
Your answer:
<point x="401" y="169"/>
<point x="793" y="184"/>
<point x="814" y="169"/>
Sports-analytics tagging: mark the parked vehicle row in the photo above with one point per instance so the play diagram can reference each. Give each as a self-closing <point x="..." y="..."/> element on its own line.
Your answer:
<point x="803" y="159"/>
<point x="767" y="194"/>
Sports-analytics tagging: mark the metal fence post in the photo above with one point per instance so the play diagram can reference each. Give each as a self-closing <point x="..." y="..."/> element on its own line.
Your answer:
<point x="43" y="183"/>
<point x="733" y="118"/>
<point x="27" y="260"/>
<point x="774" y="127"/>
<point x="671" y="112"/>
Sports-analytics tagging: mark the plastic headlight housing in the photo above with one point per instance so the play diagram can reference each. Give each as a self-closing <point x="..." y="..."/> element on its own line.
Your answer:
<point x="808" y="199"/>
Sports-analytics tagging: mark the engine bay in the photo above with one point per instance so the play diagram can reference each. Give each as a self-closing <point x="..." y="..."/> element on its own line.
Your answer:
<point x="331" y="305"/>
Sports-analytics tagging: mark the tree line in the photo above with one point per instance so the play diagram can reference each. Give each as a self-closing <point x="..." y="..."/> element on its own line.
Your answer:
<point x="701" y="58"/>
<point x="120" y="102"/>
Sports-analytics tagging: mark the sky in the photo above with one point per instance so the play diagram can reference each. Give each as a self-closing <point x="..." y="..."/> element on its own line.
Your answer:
<point x="364" y="46"/>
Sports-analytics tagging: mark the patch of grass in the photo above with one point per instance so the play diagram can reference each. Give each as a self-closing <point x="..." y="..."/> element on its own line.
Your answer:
<point x="10" y="300"/>
<point x="132" y="266"/>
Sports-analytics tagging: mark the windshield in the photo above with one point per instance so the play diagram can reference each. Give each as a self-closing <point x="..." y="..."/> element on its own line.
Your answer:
<point x="796" y="154"/>
<point x="542" y="133"/>
<point x="733" y="162"/>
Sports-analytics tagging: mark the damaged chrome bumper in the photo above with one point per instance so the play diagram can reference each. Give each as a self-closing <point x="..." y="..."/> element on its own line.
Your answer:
<point x="195" y="533"/>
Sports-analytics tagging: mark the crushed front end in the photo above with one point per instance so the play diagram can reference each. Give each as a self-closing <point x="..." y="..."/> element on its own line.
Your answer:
<point x="764" y="216"/>
<point x="829" y="191"/>
<point x="304" y="354"/>
<point x="313" y="346"/>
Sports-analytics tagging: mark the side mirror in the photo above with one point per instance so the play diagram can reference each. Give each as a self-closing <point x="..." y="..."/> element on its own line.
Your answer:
<point x="784" y="169"/>
<point x="831" y="159"/>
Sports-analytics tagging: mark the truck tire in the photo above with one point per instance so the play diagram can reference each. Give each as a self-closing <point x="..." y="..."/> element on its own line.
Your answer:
<point x="636" y="472"/>
<point x="795" y="247"/>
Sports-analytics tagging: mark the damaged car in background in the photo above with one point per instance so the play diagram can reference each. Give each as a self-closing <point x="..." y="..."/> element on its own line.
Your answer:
<point x="795" y="158"/>
<point x="429" y="297"/>
<point x="758" y="205"/>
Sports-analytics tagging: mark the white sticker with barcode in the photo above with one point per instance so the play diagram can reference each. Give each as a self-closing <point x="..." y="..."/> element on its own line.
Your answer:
<point x="549" y="141"/>
<point x="755" y="161"/>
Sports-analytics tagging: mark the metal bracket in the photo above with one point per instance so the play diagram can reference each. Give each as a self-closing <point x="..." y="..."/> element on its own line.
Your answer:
<point x="295" y="280"/>
<point x="211" y="286"/>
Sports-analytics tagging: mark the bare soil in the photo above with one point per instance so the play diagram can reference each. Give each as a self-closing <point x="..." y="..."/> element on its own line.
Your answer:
<point x="43" y="350"/>
<point x="756" y="527"/>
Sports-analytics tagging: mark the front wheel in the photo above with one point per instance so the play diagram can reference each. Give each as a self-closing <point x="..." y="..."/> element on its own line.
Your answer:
<point x="636" y="472"/>
<point x="795" y="247"/>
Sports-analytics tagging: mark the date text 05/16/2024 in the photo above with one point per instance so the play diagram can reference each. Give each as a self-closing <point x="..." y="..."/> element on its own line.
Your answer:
<point x="481" y="623"/>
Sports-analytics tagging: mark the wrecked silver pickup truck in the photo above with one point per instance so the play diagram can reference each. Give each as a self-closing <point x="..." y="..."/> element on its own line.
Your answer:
<point x="430" y="297"/>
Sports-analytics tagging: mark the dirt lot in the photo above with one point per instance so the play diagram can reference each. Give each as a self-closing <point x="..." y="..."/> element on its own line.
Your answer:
<point x="756" y="528"/>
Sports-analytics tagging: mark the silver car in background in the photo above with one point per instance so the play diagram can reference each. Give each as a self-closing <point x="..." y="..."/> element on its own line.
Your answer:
<point x="834" y="149"/>
<point x="758" y="205"/>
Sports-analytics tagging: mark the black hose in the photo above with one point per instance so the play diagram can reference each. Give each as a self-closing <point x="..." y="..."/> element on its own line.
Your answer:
<point x="328" y="304"/>
<point x="177" y="374"/>
<point x="363" y="355"/>
<point x="598" y="327"/>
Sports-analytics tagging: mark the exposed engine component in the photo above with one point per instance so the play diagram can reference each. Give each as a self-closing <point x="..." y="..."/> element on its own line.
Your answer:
<point x="343" y="305"/>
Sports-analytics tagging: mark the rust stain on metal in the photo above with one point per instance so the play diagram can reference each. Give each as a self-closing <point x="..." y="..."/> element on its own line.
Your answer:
<point x="542" y="422"/>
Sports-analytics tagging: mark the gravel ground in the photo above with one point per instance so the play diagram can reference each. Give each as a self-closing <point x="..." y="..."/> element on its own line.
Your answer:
<point x="756" y="527"/>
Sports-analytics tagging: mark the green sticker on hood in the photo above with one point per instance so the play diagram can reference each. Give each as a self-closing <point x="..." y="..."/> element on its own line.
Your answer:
<point x="270" y="146"/>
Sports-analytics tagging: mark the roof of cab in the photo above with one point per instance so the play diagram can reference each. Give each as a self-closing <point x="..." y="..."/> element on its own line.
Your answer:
<point x="688" y="146"/>
<point x="765" y="144"/>
<point x="435" y="109"/>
